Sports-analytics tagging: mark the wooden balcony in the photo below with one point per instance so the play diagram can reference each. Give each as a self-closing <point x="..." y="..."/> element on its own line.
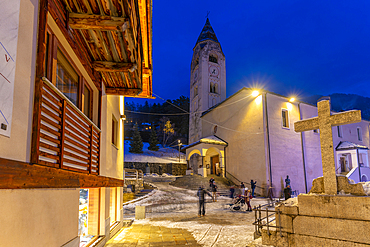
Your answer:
<point x="66" y="138"/>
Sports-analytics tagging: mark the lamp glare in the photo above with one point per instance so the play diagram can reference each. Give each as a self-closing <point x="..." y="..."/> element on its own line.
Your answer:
<point x="291" y="99"/>
<point x="255" y="93"/>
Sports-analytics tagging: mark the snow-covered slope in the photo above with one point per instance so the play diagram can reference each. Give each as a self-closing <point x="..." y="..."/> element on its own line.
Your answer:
<point x="163" y="155"/>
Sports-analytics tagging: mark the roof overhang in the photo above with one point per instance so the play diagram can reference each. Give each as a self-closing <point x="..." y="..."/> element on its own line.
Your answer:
<point x="116" y="38"/>
<point x="349" y="146"/>
<point x="215" y="140"/>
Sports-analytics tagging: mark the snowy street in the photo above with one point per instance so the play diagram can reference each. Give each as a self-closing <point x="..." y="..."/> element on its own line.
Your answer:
<point x="177" y="208"/>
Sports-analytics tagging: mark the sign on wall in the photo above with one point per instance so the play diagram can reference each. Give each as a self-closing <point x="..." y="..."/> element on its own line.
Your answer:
<point x="9" y="21"/>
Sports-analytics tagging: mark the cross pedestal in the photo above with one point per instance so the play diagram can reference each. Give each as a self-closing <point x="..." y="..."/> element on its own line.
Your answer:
<point x="324" y="123"/>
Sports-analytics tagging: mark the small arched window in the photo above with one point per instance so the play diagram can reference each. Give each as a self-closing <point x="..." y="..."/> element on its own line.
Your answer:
<point x="211" y="88"/>
<point x="212" y="58"/>
<point x="216" y="88"/>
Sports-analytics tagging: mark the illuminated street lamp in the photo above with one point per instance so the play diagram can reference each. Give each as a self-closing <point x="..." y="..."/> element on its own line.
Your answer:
<point x="255" y="93"/>
<point x="179" y="143"/>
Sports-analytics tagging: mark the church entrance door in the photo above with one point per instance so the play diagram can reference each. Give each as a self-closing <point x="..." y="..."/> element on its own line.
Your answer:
<point x="214" y="164"/>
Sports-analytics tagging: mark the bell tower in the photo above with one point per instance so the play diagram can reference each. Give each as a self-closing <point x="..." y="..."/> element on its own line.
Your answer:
<point x="207" y="79"/>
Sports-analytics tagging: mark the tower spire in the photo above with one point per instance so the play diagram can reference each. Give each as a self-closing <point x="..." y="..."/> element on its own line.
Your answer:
<point x="207" y="32"/>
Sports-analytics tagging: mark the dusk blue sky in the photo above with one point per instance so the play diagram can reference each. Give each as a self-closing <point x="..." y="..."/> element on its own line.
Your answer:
<point x="289" y="47"/>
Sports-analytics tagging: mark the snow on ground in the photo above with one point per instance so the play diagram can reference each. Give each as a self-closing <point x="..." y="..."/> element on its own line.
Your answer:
<point x="174" y="207"/>
<point x="163" y="155"/>
<point x="366" y="186"/>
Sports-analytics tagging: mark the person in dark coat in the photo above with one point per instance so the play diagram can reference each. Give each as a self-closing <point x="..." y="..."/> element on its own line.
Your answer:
<point x="253" y="185"/>
<point x="201" y="194"/>
<point x="287" y="192"/>
<point x="211" y="182"/>
<point x="232" y="191"/>
<point x="214" y="191"/>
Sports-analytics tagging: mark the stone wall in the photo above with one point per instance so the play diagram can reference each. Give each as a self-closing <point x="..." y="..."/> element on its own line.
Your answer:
<point x="177" y="169"/>
<point x="322" y="220"/>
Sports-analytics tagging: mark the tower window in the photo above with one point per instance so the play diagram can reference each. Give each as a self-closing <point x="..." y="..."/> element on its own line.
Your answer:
<point x="212" y="58"/>
<point x="216" y="88"/>
<point x="211" y="88"/>
<point x="195" y="91"/>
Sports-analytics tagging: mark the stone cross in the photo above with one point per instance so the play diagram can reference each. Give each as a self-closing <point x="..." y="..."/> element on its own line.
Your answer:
<point x="324" y="123"/>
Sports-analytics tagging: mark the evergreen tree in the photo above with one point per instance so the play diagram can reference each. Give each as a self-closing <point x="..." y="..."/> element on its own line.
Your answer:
<point x="153" y="141"/>
<point x="136" y="145"/>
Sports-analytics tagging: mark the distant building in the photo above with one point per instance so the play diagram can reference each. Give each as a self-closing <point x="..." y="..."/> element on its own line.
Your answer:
<point x="251" y="136"/>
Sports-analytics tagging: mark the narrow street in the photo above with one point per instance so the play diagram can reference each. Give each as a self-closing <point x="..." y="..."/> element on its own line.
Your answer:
<point x="172" y="219"/>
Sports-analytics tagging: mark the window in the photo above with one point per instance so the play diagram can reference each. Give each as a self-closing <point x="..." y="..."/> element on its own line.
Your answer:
<point x="88" y="222"/>
<point x="114" y="130"/>
<point x="339" y="131"/>
<point x="195" y="91"/>
<point x="215" y="88"/>
<point x="359" y="134"/>
<point x="67" y="78"/>
<point x="213" y="58"/>
<point x="211" y="88"/>
<point x="87" y="101"/>
<point x="285" y="118"/>
<point x="61" y="71"/>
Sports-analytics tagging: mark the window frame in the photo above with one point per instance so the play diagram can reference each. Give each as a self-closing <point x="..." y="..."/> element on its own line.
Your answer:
<point x="53" y="44"/>
<point x="359" y="134"/>
<point x="91" y="103"/>
<point x="114" y="131"/>
<point x="339" y="131"/>
<point x="282" y="118"/>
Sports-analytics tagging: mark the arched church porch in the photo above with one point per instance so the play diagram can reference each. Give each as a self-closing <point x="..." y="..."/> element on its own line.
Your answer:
<point x="206" y="156"/>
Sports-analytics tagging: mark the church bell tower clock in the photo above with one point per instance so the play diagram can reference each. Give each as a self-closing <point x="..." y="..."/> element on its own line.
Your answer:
<point x="207" y="79"/>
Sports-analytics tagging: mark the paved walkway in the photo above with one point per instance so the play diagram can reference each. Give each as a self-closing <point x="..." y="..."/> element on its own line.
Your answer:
<point x="173" y="221"/>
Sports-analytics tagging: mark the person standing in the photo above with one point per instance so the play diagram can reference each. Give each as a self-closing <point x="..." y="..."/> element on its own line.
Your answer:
<point x="211" y="182"/>
<point x="253" y="185"/>
<point x="248" y="197"/>
<point x="287" y="181"/>
<point x="232" y="191"/>
<point x="201" y="193"/>
<point x="214" y="191"/>
<point x="287" y="192"/>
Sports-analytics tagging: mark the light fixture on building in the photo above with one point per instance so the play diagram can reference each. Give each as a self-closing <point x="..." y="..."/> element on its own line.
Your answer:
<point x="123" y="117"/>
<point x="255" y="93"/>
<point x="291" y="99"/>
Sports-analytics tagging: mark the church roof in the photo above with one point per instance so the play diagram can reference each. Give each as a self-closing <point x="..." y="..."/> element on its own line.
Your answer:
<point x="207" y="33"/>
<point x="208" y="140"/>
<point x="349" y="145"/>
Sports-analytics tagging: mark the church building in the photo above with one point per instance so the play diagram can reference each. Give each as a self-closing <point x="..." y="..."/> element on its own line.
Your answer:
<point x="250" y="135"/>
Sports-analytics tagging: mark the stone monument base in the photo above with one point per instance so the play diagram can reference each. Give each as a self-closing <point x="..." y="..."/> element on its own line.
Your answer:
<point x="323" y="220"/>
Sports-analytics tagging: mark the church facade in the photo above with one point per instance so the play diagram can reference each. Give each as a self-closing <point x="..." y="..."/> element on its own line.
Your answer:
<point x="250" y="135"/>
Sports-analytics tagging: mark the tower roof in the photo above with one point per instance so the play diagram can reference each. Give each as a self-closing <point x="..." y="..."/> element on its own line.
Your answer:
<point x="207" y="33"/>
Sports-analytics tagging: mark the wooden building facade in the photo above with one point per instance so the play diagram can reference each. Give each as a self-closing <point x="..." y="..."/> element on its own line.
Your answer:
<point x="61" y="165"/>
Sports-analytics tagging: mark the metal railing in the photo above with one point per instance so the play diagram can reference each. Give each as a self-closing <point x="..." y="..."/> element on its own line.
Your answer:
<point x="269" y="220"/>
<point x="133" y="174"/>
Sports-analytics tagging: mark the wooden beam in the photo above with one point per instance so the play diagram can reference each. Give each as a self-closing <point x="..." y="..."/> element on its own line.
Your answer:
<point x="97" y="22"/>
<point x="40" y="72"/>
<point x="123" y="91"/>
<point x="103" y="66"/>
<point x="21" y="175"/>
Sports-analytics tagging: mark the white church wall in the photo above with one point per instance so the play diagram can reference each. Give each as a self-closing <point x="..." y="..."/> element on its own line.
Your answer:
<point x="285" y="144"/>
<point x="312" y="150"/>
<point x="240" y="123"/>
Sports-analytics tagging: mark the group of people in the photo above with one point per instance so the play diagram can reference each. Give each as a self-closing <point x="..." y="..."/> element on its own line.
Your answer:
<point x="241" y="192"/>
